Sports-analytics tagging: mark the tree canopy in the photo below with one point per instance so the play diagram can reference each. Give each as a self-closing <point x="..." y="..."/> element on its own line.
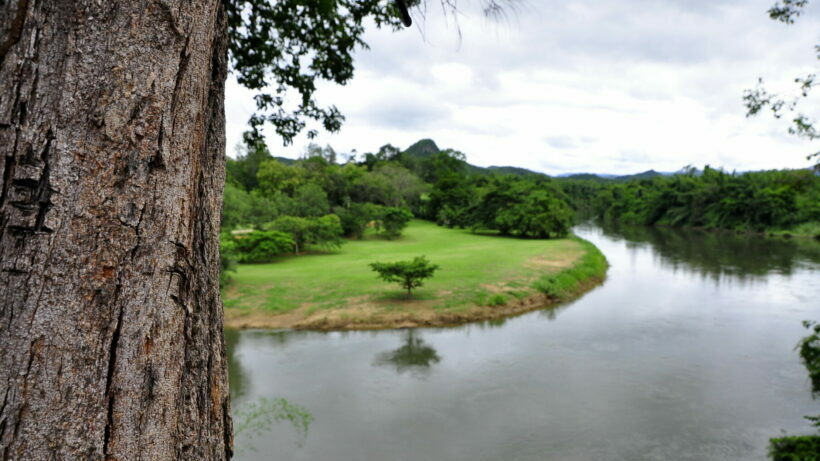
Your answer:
<point x="757" y="99"/>
<point x="283" y="47"/>
<point x="409" y="274"/>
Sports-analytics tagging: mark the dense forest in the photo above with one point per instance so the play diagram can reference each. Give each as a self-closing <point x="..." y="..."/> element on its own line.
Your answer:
<point x="275" y="206"/>
<point x="782" y="201"/>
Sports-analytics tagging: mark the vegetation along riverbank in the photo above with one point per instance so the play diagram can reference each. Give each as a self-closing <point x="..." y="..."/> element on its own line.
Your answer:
<point x="482" y="276"/>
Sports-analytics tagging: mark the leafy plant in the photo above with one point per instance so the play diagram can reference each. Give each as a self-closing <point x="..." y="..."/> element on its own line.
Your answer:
<point x="394" y="220"/>
<point x="804" y="447"/>
<point x="496" y="300"/>
<point x="227" y="258"/>
<point x="409" y="274"/>
<point x="257" y="417"/>
<point x="262" y="246"/>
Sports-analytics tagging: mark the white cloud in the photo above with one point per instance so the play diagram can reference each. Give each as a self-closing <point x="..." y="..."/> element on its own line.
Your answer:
<point x="619" y="86"/>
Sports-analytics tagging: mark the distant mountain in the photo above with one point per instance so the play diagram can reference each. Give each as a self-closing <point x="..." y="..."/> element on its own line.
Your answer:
<point x="285" y="160"/>
<point x="427" y="147"/>
<point x="611" y="177"/>
<point x="513" y="170"/>
<point x="422" y="149"/>
<point x="649" y="174"/>
<point x="586" y="176"/>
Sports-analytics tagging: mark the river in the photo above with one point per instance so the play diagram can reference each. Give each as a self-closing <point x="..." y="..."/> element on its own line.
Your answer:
<point x="686" y="352"/>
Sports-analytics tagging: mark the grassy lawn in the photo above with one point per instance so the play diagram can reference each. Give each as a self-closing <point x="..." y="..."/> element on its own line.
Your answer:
<point x="474" y="270"/>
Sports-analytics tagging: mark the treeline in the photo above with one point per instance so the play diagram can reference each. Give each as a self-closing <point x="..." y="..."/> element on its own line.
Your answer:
<point x="276" y="206"/>
<point x="786" y="200"/>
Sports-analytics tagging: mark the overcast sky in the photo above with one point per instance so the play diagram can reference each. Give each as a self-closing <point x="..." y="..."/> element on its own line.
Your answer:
<point x="605" y="86"/>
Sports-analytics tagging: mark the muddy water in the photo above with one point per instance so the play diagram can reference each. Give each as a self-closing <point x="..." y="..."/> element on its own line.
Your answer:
<point x="685" y="353"/>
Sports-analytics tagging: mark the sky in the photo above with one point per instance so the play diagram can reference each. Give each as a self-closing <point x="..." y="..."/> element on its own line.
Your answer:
<point x="604" y="86"/>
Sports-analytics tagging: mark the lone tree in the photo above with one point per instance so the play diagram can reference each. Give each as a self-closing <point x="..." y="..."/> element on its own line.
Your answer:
<point x="409" y="274"/>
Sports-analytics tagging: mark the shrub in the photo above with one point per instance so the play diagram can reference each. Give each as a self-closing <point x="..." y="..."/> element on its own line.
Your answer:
<point x="325" y="231"/>
<point x="394" y="220"/>
<point x="409" y="274"/>
<point x="262" y="246"/>
<point x="795" y="448"/>
<point x="560" y="286"/>
<point x="497" y="300"/>
<point x="227" y="259"/>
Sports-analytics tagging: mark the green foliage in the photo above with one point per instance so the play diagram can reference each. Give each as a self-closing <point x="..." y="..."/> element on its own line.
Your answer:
<point x="496" y="300"/>
<point x="227" y="259"/>
<point x="241" y="208"/>
<point x="563" y="285"/>
<point x="300" y="230"/>
<point x="289" y="44"/>
<point x="795" y="448"/>
<point x="394" y="220"/>
<point x="521" y="206"/>
<point x="242" y="170"/>
<point x="409" y="274"/>
<point x="325" y="232"/>
<point x="355" y="218"/>
<point x="257" y="417"/>
<point x="262" y="246"/>
<point x="809" y="348"/>
<point x="309" y="200"/>
<point x="758" y="201"/>
<point x="274" y="176"/>
<point x="757" y="99"/>
<point x="807" y="447"/>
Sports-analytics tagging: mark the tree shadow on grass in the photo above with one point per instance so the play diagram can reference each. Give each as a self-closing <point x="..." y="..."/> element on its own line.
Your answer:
<point x="402" y="298"/>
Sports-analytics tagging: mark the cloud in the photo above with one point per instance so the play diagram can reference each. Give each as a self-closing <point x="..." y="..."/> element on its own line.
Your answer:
<point x="615" y="87"/>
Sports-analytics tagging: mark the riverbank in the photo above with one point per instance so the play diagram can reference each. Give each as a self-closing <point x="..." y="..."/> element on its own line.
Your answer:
<point x="482" y="277"/>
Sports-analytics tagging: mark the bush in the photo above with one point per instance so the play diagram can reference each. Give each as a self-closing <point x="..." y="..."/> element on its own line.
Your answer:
<point x="795" y="448"/>
<point x="262" y="246"/>
<point x="562" y="285"/>
<point x="394" y="220"/>
<point x="409" y="274"/>
<point x="497" y="300"/>
<point x="227" y="259"/>
<point x="325" y="231"/>
<point x="354" y="219"/>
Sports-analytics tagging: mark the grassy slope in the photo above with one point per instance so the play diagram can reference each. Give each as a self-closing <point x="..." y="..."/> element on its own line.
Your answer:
<point x="474" y="270"/>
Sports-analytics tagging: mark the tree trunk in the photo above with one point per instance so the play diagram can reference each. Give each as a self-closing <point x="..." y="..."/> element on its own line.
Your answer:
<point x="111" y="174"/>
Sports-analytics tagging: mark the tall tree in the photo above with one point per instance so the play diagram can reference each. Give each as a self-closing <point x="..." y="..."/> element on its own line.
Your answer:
<point x="112" y="148"/>
<point x="111" y="174"/>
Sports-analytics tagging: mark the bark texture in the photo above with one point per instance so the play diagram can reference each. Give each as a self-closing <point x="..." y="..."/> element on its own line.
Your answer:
<point x="111" y="173"/>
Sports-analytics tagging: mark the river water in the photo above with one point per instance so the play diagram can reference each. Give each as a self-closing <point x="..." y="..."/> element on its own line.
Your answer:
<point x="686" y="352"/>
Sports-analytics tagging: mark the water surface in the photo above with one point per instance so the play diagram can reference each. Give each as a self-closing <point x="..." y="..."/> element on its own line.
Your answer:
<point x="686" y="352"/>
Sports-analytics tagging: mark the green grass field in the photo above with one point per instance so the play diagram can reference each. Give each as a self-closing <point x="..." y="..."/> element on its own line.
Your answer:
<point x="474" y="269"/>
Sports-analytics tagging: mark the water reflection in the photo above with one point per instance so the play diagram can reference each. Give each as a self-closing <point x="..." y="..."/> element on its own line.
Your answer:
<point x="659" y="362"/>
<point x="414" y="355"/>
<point x="718" y="255"/>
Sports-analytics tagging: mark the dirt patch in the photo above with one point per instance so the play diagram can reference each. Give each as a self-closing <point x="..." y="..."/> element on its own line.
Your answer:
<point x="384" y="315"/>
<point x="552" y="263"/>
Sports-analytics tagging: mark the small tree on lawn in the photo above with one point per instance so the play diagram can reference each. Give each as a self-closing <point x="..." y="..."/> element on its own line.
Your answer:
<point x="394" y="219"/>
<point x="409" y="274"/>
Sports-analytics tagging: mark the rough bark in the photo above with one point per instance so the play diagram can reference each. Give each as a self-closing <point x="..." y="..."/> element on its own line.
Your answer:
<point x="111" y="173"/>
